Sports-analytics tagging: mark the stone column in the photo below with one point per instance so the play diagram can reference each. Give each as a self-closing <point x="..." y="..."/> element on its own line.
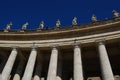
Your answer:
<point x="2" y="64"/>
<point x="52" y="71"/>
<point x="0" y="77"/>
<point x="107" y="73"/>
<point x="8" y="67"/>
<point x="38" y="69"/>
<point x="59" y="67"/>
<point x="30" y="65"/>
<point x="78" y="72"/>
<point x="19" y="70"/>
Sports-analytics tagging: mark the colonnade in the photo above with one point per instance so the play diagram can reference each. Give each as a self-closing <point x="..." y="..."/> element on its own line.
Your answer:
<point x="106" y="70"/>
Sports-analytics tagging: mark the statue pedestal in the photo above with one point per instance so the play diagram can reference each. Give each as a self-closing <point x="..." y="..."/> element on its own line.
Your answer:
<point x="39" y="30"/>
<point x="22" y="31"/>
<point x="6" y="31"/>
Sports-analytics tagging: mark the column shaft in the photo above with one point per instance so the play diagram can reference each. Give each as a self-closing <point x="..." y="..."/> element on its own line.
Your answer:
<point x="16" y="77"/>
<point x="59" y="67"/>
<point x="36" y="77"/>
<point x="2" y="65"/>
<point x="107" y="73"/>
<point x="38" y="69"/>
<point x="30" y="65"/>
<point x="8" y="67"/>
<point x="19" y="70"/>
<point x="53" y="65"/>
<point x="78" y="72"/>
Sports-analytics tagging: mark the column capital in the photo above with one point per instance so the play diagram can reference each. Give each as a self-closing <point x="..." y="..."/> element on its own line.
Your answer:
<point x="76" y="44"/>
<point x="14" y="47"/>
<point x="100" y="41"/>
<point x="34" y="46"/>
<point x="54" y="46"/>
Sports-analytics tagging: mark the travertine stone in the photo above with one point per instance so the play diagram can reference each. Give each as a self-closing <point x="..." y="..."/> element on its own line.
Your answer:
<point x="59" y="65"/>
<point x="20" y="68"/>
<point x="36" y="77"/>
<point x="38" y="67"/>
<point x="2" y="64"/>
<point x="42" y="78"/>
<point x="94" y="78"/>
<point x="71" y="79"/>
<point x="16" y="77"/>
<point x="107" y="73"/>
<point x="58" y="78"/>
<point x="78" y="72"/>
<point x="30" y="65"/>
<point x="0" y="77"/>
<point x="53" y="65"/>
<point x="74" y="21"/>
<point x="117" y="77"/>
<point x="8" y="67"/>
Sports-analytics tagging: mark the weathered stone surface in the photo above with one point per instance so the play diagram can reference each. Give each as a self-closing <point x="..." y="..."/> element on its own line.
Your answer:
<point x="53" y="65"/>
<point x="78" y="72"/>
<point x="8" y="67"/>
<point x="30" y="65"/>
<point x="106" y="70"/>
<point x="94" y="78"/>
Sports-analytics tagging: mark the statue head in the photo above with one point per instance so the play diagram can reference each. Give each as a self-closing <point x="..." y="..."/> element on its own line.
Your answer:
<point x="26" y="23"/>
<point x="58" y="23"/>
<point x="94" y="18"/>
<point x="115" y="13"/>
<point x="8" y="26"/>
<point x="24" y="26"/>
<point x="41" y="25"/>
<point x="75" y="18"/>
<point x="10" y="23"/>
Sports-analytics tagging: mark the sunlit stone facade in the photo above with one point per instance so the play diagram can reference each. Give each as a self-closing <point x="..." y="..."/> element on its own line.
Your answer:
<point x="79" y="52"/>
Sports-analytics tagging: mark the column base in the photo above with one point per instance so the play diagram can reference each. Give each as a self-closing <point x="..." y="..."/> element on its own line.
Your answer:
<point x="58" y="78"/>
<point x="42" y="78"/>
<point x="36" y="77"/>
<point x="71" y="79"/>
<point x="0" y="76"/>
<point x="16" y="77"/>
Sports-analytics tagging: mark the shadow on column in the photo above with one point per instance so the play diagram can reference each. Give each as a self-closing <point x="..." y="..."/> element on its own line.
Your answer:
<point x="91" y="63"/>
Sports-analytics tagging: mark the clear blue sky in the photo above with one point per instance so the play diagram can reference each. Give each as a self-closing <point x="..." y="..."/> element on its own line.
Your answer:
<point x="34" y="11"/>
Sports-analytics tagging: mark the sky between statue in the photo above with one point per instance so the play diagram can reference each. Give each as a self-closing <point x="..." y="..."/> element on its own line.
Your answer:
<point x="34" y="11"/>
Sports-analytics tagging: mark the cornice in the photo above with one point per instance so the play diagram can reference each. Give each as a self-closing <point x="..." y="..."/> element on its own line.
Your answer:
<point x="110" y="36"/>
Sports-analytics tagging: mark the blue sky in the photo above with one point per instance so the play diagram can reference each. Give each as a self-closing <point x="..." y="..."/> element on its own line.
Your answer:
<point x="35" y="11"/>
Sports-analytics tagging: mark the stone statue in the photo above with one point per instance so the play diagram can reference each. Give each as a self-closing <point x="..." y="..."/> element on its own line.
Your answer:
<point x="94" y="18"/>
<point x="115" y="13"/>
<point x="41" y="26"/>
<point x="74" y="21"/>
<point x="58" y="23"/>
<point x="8" y="26"/>
<point x="24" y="26"/>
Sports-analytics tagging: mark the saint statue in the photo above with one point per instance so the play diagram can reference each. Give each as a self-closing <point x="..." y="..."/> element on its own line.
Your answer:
<point x="41" y="26"/>
<point x="8" y="26"/>
<point x="94" y="18"/>
<point x="24" y="26"/>
<point x="58" y="23"/>
<point x="74" y="21"/>
<point x="115" y="13"/>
